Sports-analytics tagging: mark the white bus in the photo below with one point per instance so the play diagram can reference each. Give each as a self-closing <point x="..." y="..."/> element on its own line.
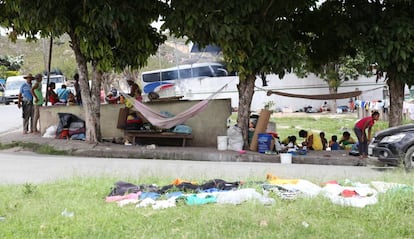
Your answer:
<point x="193" y="81"/>
<point x="200" y="80"/>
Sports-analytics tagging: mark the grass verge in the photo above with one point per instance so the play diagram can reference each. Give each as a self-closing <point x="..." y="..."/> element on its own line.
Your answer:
<point x="35" y="211"/>
<point x="37" y="148"/>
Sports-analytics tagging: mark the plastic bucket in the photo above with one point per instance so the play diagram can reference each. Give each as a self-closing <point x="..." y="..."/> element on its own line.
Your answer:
<point x="222" y="142"/>
<point x="271" y="127"/>
<point x="286" y="158"/>
<point x="264" y="141"/>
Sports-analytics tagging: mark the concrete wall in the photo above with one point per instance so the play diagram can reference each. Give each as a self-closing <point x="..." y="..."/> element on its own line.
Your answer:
<point x="206" y="125"/>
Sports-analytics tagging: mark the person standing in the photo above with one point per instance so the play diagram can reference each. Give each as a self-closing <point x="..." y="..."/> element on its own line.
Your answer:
<point x="25" y="101"/>
<point x="37" y="101"/>
<point x="77" y="89"/>
<point x="361" y="126"/>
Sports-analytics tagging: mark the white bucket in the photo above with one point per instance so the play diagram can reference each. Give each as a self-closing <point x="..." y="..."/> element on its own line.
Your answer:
<point x="286" y="158"/>
<point x="271" y="127"/>
<point x="222" y="142"/>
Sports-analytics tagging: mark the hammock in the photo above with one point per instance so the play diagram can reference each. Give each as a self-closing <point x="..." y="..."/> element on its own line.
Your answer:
<point x="162" y="121"/>
<point x="336" y="96"/>
<point x="319" y="97"/>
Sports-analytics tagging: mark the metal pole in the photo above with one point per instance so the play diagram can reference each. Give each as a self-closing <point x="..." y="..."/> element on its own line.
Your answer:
<point x="48" y="70"/>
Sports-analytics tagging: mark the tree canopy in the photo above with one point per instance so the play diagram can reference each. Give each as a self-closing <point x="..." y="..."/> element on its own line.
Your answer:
<point x="108" y="34"/>
<point x="256" y="36"/>
<point x="384" y="30"/>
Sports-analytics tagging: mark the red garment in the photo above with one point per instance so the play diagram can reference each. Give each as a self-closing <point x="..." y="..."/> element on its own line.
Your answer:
<point x="360" y="124"/>
<point x="348" y="193"/>
<point x="53" y="99"/>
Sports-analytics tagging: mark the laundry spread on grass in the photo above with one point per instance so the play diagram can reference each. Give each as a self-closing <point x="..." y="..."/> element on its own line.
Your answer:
<point x="219" y="191"/>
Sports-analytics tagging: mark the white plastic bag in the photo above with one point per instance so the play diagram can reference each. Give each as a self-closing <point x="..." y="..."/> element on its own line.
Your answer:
<point x="50" y="132"/>
<point x="235" y="138"/>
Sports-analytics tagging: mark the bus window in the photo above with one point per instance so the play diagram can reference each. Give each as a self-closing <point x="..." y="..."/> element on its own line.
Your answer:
<point x="185" y="73"/>
<point x="202" y="71"/>
<point x="169" y="75"/>
<point x="151" y="77"/>
<point x="219" y="71"/>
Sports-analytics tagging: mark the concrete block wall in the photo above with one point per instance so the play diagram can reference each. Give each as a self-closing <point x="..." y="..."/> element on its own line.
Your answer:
<point x="206" y="125"/>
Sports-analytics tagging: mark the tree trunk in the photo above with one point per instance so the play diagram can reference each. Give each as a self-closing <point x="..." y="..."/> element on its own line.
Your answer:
<point x="96" y="100"/>
<point x="246" y="91"/>
<point x="91" y="135"/>
<point x="333" y="90"/>
<point x="396" y="88"/>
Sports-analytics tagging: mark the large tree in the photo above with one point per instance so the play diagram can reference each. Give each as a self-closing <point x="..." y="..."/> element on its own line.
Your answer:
<point x="256" y="36"/>
<point x="107" y="34"/>
<point x="384" y="30"/>
<point x="329" y="51"/>
<point x="335" y="73"/>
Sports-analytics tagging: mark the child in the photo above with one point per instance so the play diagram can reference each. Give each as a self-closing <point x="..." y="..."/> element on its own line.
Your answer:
<point x="290" y="141"/>
<point x="323" y="140"/>
<point x="333" y="144"/>
<point x="71" y="99"/>
<point x="346" y="141"/>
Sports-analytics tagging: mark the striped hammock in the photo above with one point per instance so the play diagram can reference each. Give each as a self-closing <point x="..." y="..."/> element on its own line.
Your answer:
<point x="162" y="121"/>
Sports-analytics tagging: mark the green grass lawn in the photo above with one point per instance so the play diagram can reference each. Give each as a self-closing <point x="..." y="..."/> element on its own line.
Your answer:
<point x="332" y="124"/>
<point x="35" y="211"/>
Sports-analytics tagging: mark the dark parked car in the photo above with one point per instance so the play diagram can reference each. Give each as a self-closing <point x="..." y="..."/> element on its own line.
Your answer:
<point x="394" y="146"/>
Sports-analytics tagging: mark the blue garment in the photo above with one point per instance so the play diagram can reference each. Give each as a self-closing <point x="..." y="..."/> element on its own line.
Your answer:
<point x="335" y="146"/>
<point x="174" y="194"/>
<point x="26" y="92"/>
<point x="151" y="195"/>
<point x="194" y="200"/>
<point x="63" y="94"/>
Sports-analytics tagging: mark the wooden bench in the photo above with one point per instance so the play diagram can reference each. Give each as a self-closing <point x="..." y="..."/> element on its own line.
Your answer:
<point x="151" y="135"/>
<point x="134" y="134"/>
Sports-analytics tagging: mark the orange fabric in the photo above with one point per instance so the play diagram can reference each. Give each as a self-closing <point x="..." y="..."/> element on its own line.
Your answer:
<point x="275" y="180"/>
<point x="179" y="181"/>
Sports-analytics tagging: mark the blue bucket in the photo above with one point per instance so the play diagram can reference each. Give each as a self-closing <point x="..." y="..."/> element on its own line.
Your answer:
<point x="264" y="142"/>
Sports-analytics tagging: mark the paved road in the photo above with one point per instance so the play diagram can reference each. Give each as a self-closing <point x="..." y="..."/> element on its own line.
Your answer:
<point x="27" y="167"/>
<point x="21" y="167"/>
<point x="11" y="118"/>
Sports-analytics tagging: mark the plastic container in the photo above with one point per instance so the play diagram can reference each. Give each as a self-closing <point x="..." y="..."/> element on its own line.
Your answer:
<point x="264" y="142"/>
<point x="222" y="142"/>
<point x="286" y="158"/>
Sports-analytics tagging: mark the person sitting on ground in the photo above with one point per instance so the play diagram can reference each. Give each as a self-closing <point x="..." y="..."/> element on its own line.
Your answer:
<point x="111" y="99"/>
<point x="71" y="99"/>
<point x="53" y="97"/>
<point x="290" y="141"/>
<point x="325" y="107"/>
<point x="333" y="144"/>
<point x="63" y="93"/>
<point x="311" y="140"/>
<point x="324" y="140"/>
<point x="346" y="141"/>
<point x="135" y="91"/>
